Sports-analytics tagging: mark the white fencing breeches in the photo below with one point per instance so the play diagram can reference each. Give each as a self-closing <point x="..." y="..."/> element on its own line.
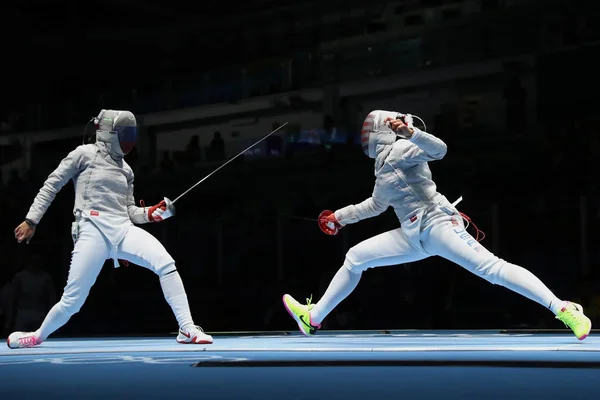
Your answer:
<point x="91" y="250"/>
<point x="444" y="236"/>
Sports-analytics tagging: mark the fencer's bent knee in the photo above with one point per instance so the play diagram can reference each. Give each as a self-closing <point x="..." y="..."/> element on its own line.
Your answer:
<point x="161" y="263"/>
<point x="352" y="266"/>
<point x="165" y="269"/>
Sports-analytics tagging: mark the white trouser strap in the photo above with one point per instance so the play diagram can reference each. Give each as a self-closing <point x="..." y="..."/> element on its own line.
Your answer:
<point x="114" y="251"/>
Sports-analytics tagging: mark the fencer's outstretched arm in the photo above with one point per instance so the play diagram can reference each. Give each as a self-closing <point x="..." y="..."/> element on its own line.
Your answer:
<point x="428" y="148"/>
<point x="137" y="215"/>
<point x="369" y="208"/>
<point x="69" y="167"/>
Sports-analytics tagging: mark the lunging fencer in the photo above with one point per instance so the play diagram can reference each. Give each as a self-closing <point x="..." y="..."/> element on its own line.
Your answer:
<point x="105" y="214"/>
<point x="429" y="226"/>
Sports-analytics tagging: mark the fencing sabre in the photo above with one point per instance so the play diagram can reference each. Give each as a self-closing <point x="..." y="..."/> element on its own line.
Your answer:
<point x="300" y="218"/>
<point x="170" y="203"/>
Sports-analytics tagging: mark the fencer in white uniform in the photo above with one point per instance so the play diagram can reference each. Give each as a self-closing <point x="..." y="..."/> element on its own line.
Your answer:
<point x="429" y="226"/>
<point x="104" y="228"/>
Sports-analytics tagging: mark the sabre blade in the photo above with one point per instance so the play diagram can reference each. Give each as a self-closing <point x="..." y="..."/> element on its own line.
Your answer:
<point x="303" y="218"/>
<point x="227" y="162"/>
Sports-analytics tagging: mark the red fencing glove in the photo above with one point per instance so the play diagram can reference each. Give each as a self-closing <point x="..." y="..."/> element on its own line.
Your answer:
<point x="161" y="211"/>
<point x="328" y="223"/>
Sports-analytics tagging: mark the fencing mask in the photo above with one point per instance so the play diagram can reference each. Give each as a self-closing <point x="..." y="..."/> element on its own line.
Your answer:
<point x="376" y="133"/>
<point x="118" y="129"/>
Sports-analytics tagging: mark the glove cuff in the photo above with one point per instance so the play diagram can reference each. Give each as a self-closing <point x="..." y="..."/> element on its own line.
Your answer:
<point x="339" y="218"/>
<point x="149" y="214"/>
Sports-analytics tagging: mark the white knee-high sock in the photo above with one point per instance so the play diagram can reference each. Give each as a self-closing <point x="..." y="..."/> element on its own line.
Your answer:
<point x="174" y="292"/>
<point x="342" y="284"/>
<point x="56" y="318"/>
<point x="520" y="280"/>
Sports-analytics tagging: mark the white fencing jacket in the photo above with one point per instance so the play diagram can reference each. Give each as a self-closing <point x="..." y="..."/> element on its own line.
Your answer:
<point x="403" y="181"/>
<point x="103" y="190"/>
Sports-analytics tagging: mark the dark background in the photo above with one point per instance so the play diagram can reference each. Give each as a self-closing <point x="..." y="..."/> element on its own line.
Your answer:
<point x="526" y="166"/>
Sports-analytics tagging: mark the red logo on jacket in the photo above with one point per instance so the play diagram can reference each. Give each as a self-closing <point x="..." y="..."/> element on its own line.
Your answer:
<point x="413" y="218"/>
<point x="94" y="213"/>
